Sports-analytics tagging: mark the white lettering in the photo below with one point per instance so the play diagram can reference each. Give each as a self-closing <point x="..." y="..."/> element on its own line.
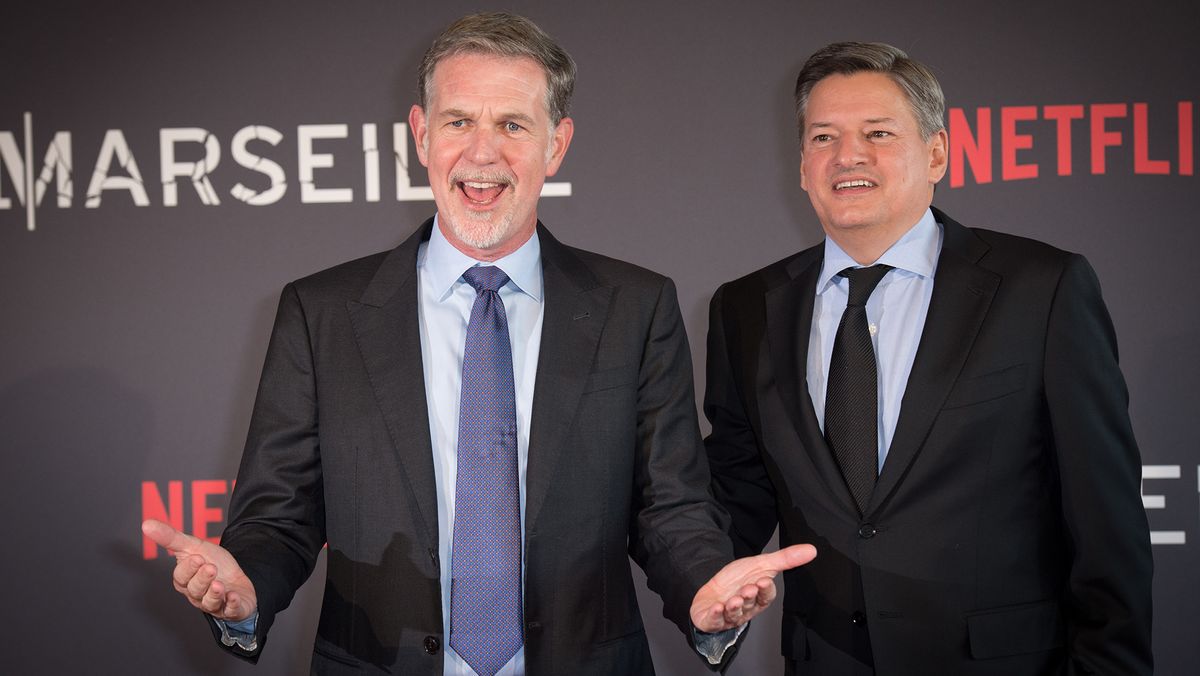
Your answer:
<point x="114" y="144"/>
<point x="405" y="192"/>
<point x="309" y="160"/>
<point x="14" y="162"/>
<point x="197" y="171"/>
<point x="1161" y="537"/>
<point x="262" y="165"/>
<point x="371" y="161"/>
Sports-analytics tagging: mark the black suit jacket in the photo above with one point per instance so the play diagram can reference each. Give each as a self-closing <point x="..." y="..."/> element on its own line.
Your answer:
<point x="1006" y="533"/>
<point x="339" y="451"/>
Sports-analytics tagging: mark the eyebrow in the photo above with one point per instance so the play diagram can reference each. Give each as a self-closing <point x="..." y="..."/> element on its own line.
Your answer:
<point x="873" y="120"/>
<point x="456" y="113"/>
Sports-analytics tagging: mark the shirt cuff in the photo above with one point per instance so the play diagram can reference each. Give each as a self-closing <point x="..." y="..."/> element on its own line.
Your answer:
<point x="240" y="633"/>
<point x="713" y="646"/>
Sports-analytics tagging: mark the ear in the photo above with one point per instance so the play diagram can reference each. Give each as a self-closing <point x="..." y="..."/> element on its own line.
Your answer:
<point x="803" y="181"/>
<point x="420" y="133"/>
<point x="938" y="144"/>
<point x="559" y="143"/>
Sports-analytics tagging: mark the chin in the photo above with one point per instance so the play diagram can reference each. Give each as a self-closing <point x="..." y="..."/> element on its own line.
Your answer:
<point x="482" y="230"/>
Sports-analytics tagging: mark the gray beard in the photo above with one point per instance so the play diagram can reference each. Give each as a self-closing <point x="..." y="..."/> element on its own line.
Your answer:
<point x="486" y="233"/>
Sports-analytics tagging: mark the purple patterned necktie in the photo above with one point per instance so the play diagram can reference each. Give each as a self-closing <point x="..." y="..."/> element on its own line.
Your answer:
<point x="852" y="392"/>
<point x="485" y="597"/>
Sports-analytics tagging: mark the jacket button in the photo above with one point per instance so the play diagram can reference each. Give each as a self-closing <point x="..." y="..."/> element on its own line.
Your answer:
<point x="432" y="645"/>
<point x="858" y="618"/>
<point x="867" y="531"/>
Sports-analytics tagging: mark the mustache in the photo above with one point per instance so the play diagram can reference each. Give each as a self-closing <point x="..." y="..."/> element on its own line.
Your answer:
<point x="484" y="176"/>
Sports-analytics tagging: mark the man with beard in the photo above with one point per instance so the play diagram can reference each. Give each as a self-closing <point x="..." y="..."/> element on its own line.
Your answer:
<point x="938" y="408"/>
<point x="482" y="424"/>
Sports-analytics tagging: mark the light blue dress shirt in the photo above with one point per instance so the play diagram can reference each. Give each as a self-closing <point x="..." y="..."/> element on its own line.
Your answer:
<point x="444" y="302"/>
<point x="896" y="315"/>
<point x="444" y="306"/>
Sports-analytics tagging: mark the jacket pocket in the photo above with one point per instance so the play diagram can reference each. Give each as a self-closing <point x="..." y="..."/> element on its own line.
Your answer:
<point x="986" y="387"/>
<point x="611" y="378"/>
<point x="1016" y="630"/>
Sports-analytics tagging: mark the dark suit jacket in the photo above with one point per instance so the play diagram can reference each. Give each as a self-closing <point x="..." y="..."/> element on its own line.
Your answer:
<point x="339" y="451"/>
<point x="1006" y="533"/>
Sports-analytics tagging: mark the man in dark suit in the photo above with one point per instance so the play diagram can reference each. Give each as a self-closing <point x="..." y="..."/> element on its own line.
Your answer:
<point x="483" y="424"/>
<point x="937" y="408"/>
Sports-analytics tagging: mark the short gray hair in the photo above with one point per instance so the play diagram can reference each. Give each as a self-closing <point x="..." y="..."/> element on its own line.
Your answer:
<point x="504" y="34"/>
<point x="920" y="87"/>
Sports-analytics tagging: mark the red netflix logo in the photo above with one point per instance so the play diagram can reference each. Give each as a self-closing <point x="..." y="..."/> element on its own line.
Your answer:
<point x="206" y="519"/>
<point x="972" y="141"/>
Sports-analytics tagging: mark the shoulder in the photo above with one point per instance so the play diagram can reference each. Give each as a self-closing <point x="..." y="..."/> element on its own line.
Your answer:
<point x="347" y="280"/>
<point x="610" y="271"/>
<point x="761" y="281"/>
<point x="1010" y="256"/>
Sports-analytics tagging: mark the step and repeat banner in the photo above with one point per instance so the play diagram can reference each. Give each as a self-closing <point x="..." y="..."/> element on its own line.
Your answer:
<point x="166" y="167"/>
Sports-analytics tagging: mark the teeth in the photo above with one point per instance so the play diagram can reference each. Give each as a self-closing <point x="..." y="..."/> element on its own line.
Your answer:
<point x="853" y="184"/>
<point x="479" y="185"/>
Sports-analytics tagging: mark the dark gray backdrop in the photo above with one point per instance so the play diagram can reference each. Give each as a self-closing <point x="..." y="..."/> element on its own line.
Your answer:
<point x="132" y="336"/>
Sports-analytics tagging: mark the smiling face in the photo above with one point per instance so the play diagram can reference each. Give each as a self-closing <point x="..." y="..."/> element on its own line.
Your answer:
<point x="488" y="143"/>
<point x="865" y="167"/>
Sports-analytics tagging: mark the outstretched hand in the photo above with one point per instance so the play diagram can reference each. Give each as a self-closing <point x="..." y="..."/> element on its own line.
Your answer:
<point x="744" y="588"/>
<point x="206" y="575"/>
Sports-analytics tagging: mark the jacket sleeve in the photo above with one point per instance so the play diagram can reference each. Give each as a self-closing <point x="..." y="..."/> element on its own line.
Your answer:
<point x="1109" y="590"/>
<point x="678" y="532"/>
<point x="739" y="477"/>
<point x="277" y="514"/>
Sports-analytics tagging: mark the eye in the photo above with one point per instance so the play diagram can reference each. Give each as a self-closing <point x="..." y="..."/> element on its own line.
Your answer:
<point x="822" y="138"/>
<point x="879" y="133"/>
<point x="458" y="124"/>
<point x="512" y="127"/>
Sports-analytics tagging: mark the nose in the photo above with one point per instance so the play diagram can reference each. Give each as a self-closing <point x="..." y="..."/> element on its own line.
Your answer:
<point x="853" y="150"/>
<point x="484" y="146"/>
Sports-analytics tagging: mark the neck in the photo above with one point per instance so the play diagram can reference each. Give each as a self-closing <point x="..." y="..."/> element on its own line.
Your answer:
<point x="492" y="253"/>
<point x="866" y="244"/>
<point x="864" y="248"/>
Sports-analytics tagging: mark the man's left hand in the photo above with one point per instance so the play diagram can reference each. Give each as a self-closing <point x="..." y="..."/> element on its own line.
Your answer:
<point x="744" y="588"/>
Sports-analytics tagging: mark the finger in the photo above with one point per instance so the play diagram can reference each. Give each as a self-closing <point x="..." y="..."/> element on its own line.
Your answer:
<point x="213" y="601"/>
<point x="747" y="595"/>
<point x="733" y="615"/>
<point x="786" y="558"/>
<point x="711" y="619"/>
<point x="766" y="592"/>
<point x="200" y="584"/>
<point x="185" y="570"/>
<point x="169" y="538"/>
<point x="235" y="609"/>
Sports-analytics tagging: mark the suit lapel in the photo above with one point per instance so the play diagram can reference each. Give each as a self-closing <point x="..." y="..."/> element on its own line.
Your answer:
<point x="789" y="308"/>
<point x="576" y="307"/>
<point x="387" y="330"/>
<point x="962" y="293"/>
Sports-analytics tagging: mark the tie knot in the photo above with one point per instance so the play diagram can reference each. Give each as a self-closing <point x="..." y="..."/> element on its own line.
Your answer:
<point x="485" y="278"/>
<point x="863" y="281"/>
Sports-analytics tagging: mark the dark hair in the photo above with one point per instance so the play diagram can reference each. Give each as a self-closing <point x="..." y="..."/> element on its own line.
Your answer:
<point x="503" y="34"/>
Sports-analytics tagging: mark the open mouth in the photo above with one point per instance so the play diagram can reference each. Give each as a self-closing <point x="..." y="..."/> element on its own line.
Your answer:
<point x="853" y="184"/>
<point x="481" y="193"/>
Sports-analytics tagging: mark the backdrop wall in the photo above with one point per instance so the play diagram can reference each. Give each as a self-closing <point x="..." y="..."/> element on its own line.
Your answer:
<point x="166" y="167"/>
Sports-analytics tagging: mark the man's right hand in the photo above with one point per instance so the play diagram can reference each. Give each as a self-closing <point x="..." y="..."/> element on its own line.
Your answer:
<point x="206" y="574"/>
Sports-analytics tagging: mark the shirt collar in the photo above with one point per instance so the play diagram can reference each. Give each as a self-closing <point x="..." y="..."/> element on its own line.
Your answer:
<point x="915" y="252"/>
<point x="445" y="264"/>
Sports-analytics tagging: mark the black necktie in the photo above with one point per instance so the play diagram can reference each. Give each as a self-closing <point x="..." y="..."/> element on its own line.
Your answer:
<point x="852" y="393"/>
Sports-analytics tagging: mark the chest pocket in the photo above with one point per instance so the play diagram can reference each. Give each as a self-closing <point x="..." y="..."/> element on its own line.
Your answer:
<point x="608" y="379"/>
<point x="986" y="387"/>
